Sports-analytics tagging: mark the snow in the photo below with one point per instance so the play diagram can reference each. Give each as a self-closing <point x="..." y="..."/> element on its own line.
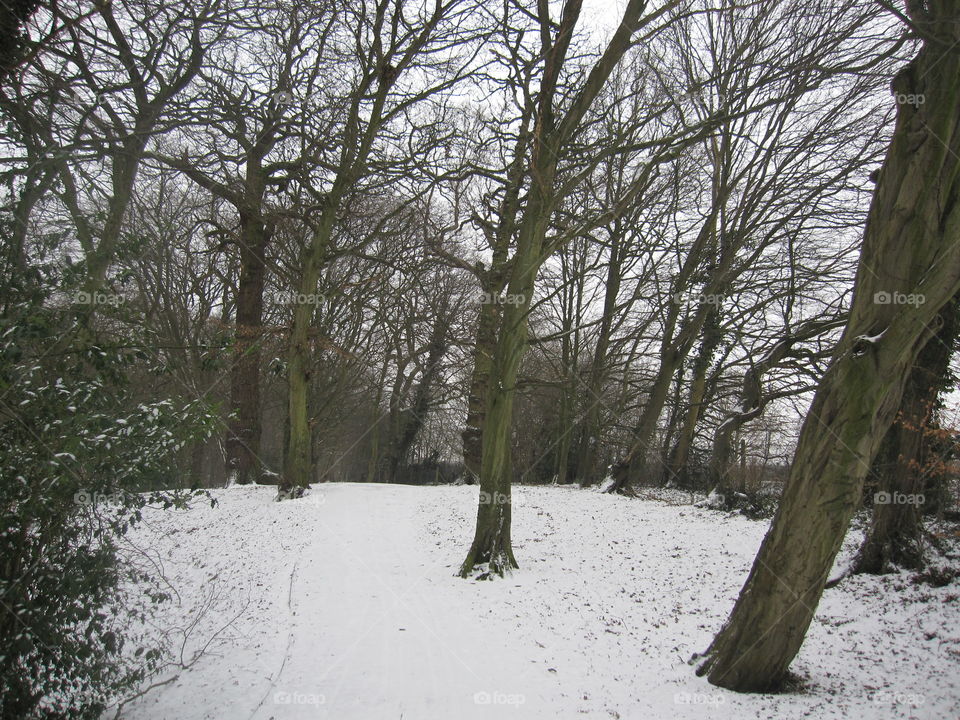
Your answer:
<point x="345" y="605"/>
<point x="713" y="501"/>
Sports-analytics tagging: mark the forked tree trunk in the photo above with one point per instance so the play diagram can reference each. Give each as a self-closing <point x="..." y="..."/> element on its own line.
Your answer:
<point x="629" y="471"/>
<point x="491" y="543"/>
<point x="911" y="246"/>
<point x="491" y="546"/>
<point x="675" y="345"/>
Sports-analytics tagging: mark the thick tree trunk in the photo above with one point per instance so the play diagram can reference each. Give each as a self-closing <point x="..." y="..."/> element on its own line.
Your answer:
<point x="198" y="452"/>
<point x="491" y="546"/>
<point x="298" y="461"/>
<point x="483" y="349"/>
<point x="911" y="251"/>
<point x="895" y="535"/>
<point x="243" y="436"/>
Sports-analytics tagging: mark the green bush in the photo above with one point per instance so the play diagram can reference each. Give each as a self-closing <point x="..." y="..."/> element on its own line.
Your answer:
<point x="77" y="447"/>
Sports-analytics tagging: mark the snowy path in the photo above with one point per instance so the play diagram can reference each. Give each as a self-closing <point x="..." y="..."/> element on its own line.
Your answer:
<point x="344" y="605"/>
<point x="375" y="634"/>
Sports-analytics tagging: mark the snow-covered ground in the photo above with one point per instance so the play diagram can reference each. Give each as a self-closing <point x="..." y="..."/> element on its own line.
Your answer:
<point x="344" y="605"/>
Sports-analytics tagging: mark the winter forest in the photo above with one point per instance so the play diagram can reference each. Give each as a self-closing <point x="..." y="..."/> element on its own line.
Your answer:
<point x="479" y="359"/>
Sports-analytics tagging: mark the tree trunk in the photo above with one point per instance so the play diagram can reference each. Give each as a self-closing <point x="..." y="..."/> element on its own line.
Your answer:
<point x="674" y="348"/>
<point x="243" y="436"/>
<point x="569" y="360"/>
<point x="298" y="461"/>
<point x="628" y="472"/>
<point x="373" y="466"/>
<point x="491" y="545"/>
<point x="483" y="349"/>
<point x="909" y="268"/>
<point x="679" y="456"/>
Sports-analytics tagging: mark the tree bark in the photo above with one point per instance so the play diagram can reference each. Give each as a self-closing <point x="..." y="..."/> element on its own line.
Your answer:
<point x="487" y="321"/>
<point x="491" y="546"/>
<point x="550" y="139"/>
<point x="243" y="435"/>
<point x="298" y="462"/>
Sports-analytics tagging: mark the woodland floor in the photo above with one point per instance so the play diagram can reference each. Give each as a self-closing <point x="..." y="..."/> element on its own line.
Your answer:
<point x="344" y="605"/>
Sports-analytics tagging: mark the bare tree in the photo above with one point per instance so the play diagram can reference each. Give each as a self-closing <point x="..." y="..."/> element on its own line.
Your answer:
<point x="89" y="107"/>
<point x="792" y="136"/>
<point x="396" y="62"/>
<point x="911" y="247"/>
